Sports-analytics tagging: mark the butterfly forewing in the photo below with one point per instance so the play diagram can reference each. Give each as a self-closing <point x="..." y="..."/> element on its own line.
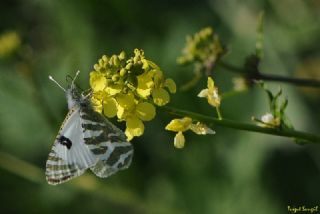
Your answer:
<point x="69" y="157"/>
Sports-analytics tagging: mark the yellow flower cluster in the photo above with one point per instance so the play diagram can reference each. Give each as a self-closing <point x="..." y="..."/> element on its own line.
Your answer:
<point x="129" y="89"/>
<point x="203" y="48"/>
<point x="185" y="124"/>
<point x="9" y="42"/>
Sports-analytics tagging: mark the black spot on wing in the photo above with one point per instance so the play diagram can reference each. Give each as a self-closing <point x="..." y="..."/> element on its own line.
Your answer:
<point x="65" y="141"/>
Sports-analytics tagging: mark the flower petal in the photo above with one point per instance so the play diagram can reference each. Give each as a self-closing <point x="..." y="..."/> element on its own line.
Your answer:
<point x="97" y="81"/>
<point x="122" y="113"/>
<point x="203" y="93"/>
<point x="145" y="111"/>
<point x="158" y="77"/>
<point x="134" y="128"/>
<point x="96" y="101"/>
<point x="179" y="140"/>
<point x="145" y="80"/>
<point x="179" y="125"/>
<point x="144" y="92"/>
<point x="171" y="85"/>
<point x="110" y="107"/>
<point x="145" y="84"/>
<point x="210" y="83"/>
<point x="113" y="89"/>
<point x="126" y="101"/>
<point x="160" y="96"/>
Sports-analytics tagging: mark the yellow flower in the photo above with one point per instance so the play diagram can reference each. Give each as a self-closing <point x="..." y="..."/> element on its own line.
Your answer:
<point x="9" y="42"/>
<point x="129" y="88"/>
<point x="211" y="93"/>
<point x="134" y="113"/>
<point x="185" y="124"/>
<point x="160" y="96"/>
<point x="201" y="129"/>
<point x="240" y="84"/>
<point x="142" y="112"/>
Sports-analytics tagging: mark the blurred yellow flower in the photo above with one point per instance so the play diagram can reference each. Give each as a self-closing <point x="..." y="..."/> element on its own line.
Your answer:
<point x="203" y="48"/>
<point x="211" y="93"/>
<point x="240" y="84"/>
<point x="129" y="89"/>
<point x="185" y="124"/>
<point x="9" y="42"/>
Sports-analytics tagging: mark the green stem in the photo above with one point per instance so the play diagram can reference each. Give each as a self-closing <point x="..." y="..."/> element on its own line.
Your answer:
<point x="310" y="138"/>
<point x="272" y="77"/>
<point x="219" y="113"/>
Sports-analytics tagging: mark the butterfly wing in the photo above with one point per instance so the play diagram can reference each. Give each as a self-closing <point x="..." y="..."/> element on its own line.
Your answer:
<point x="106" y="142"/>
<point x="69" y="156"/>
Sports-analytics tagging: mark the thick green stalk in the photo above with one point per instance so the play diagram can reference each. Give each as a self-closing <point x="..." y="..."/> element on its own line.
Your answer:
<point x="308" y="137"/>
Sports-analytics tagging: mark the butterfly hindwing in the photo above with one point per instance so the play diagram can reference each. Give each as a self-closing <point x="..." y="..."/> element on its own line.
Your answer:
<point x="105" y="141"/>
<point x="69" y="156"/>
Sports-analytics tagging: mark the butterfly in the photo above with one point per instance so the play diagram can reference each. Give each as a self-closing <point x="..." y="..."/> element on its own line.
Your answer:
<point x="85" y="140"/>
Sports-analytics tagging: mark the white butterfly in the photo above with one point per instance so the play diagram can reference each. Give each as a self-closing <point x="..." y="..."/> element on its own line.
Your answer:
<point x="85" y="140"/>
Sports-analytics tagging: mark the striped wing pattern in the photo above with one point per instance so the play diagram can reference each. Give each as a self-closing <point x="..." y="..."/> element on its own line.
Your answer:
<point x="87" y="140"/>
<point x="107" y="142"/>
<point x="65" y="163"/>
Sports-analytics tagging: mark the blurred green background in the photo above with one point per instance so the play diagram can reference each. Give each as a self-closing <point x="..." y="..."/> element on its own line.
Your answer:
<point x="230" y="172"/>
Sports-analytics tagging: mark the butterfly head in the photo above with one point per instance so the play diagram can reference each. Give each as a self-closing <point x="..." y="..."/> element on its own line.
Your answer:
<point x="74" y="97"/>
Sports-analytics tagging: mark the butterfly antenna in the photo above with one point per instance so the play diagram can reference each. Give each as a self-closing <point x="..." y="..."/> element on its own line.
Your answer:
<point x="53" y="80"/>
<point x="75" y="77"/>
